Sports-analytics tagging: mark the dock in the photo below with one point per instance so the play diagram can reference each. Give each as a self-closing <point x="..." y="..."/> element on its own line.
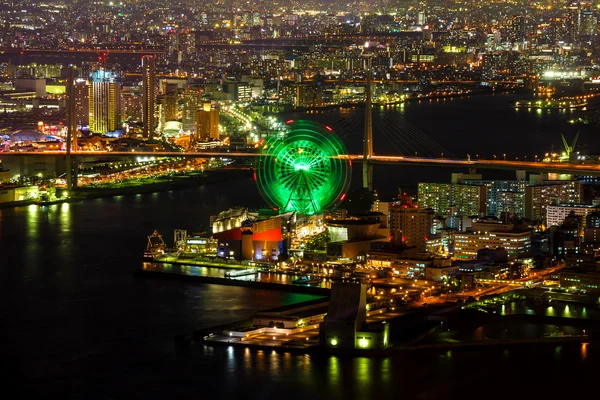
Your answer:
<point x="157" y="274"/>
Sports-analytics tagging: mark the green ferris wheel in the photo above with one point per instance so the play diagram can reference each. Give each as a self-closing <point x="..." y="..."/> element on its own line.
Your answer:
<point x="305" y="170"/>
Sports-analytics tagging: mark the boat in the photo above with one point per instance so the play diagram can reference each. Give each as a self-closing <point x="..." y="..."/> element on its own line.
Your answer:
<point x="306" y="280"/>
<point x="245" y="272"/>
<point x="156" y="246"/>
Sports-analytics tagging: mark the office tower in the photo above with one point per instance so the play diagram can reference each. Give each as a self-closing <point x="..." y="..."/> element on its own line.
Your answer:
<point x="149" y="95"/>
<point x="81" y="97"/>
<point x="169" y="104"/>
<point x="104" y="102"/>
<point x="190" y="105"/>
<point x="207" y="122"/>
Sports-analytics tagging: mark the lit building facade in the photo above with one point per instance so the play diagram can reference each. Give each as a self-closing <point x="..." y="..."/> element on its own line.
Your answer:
<point x="104" y="102"/>
<point x="149" y="95"/>
<point x="503" y="196"/>
<point x="556" y="213"/>
<point x="468" y="199"/>
<point x="189" y="98"/>
<point x="516" y="243"/>
<point x="81" y="96"/>
<point x="410" y="225"/>
<point x="207" y="122"/>
<point x="539" y="197"/>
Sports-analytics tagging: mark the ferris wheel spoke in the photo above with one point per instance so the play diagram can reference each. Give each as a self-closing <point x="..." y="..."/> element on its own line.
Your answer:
<point x="297" y="172"/>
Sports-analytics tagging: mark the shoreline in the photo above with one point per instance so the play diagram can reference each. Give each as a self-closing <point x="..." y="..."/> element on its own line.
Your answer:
<point x="393" y="350"/>
<point x="141" y="273"/>
<point x="407" y="100"/>
<point x="183" y="182"/>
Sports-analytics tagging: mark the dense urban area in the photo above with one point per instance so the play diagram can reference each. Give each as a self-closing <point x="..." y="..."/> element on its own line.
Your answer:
<point x="108" y="98"/>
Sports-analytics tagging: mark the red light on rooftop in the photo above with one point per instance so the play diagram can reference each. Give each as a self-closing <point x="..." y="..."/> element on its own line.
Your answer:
<point x="328" y="128"/>
<point x="343" y="197"/>
<point x="289" y="121"/>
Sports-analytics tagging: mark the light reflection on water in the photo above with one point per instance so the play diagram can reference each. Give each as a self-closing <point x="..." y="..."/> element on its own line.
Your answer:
<point x="555" y="309"/>
<point x="584" y="351"/>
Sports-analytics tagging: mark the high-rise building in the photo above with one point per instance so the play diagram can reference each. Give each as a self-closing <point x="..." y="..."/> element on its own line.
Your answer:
<point x="104" y="102"/>
<point x="168" y="108"/>
<point x="149" y="95"/>
<point x="468" y="199"/>
<point x="189" y="99"/>
<point x="503" y="196"/>
<point x="410" y="225"/>
<point x="207" y="122"/>
<point x="539" y="197"/>
<point x="581" y="19"/>
<point x="81" y="95"/>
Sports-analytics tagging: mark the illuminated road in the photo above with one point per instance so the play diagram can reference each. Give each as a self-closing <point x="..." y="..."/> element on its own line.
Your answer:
<point x="589" y="169"/>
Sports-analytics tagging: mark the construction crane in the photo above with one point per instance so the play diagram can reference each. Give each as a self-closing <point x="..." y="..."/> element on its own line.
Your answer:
<point x="568" y="149"/>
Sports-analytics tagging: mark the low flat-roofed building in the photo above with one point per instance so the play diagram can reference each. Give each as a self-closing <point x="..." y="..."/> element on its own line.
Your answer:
<point x="438" y="273"/>
<point x="585" y="281"/>
<point x="517" y="243"/>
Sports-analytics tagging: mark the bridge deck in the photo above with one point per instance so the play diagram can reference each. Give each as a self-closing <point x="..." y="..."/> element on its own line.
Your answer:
<point x="585" y="169"/>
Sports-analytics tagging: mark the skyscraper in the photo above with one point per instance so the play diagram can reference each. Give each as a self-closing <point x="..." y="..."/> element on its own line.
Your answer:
<point x="104" y="102"/>
<point x="82" y="102"/>
<point x="207" y="122"/>
<point x="149" y="84"/>
<point x="189" y="111"/>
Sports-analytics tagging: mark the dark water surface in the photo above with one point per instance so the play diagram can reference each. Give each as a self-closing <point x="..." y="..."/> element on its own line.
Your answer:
<point x="74" y="322"/>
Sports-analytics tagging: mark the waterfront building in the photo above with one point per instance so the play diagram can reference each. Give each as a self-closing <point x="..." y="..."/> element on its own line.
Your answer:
<point x="229" y="219"/>
<point x="345" y="325"/>
<point x="207" y="122"/>
<point x="104" y="102"/>
<point x="351" y="238"/>
<point x="583" y="276"/>
<point x="149" y="95"/>
<point x="265" y="239"/>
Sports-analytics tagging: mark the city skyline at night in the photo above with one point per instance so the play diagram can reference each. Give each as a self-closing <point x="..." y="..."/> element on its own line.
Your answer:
<point x="299" y="199"/>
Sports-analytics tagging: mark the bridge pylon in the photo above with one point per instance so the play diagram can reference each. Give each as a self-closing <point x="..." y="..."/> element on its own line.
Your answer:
<point x="71" y="164"/>
<point x="367" y="167"/>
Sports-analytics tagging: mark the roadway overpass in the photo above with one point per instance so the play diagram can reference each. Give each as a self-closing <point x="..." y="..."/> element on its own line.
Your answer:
<point x="533" y="166"/>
